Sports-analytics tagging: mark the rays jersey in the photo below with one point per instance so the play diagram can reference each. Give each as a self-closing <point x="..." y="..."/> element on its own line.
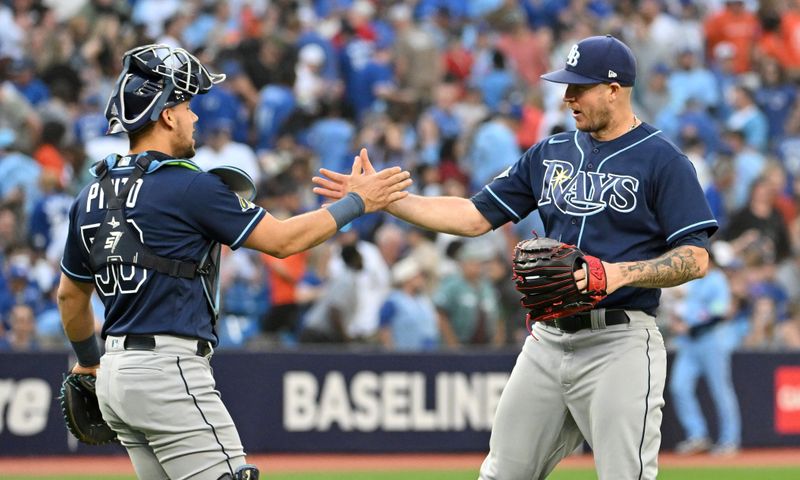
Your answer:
<point x="179" y="212"/>
<point x="631" y="198"/>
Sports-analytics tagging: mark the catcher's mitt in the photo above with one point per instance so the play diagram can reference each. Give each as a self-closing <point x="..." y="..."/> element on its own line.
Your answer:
<point x="543" y="272"/>
<point x="81" y="411"/>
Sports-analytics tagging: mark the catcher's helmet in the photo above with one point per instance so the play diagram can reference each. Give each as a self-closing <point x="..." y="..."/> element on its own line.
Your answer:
<point x="155" y="77"/>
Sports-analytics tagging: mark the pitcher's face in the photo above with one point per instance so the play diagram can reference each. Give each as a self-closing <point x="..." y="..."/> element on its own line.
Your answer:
<point x="590" y="106"/>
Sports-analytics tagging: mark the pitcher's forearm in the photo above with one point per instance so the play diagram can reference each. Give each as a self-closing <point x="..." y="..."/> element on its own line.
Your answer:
<point x="454" y="215"/>
<point x="675" y="267"/>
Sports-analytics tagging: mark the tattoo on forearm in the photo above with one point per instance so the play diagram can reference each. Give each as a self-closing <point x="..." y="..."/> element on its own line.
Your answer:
<point x="673" y="268"/>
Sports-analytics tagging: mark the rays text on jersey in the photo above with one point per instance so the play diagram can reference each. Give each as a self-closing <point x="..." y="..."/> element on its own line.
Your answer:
<point x="584" y="193"/>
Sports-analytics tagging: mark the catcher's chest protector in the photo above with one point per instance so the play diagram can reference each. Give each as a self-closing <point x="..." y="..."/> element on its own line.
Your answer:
<point x="117" y="242"/>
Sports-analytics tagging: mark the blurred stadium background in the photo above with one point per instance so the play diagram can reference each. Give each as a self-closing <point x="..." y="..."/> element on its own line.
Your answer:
<point x="313" y="359"/>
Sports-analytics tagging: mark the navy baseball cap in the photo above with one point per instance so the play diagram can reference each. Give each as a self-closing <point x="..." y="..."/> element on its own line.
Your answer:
<point x="601" y="59"/>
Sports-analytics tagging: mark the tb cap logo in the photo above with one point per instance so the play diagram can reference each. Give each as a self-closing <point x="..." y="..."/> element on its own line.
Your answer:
<point x="573" y="56"/>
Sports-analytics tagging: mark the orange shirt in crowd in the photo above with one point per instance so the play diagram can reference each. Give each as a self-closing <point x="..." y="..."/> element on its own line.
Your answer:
<point x="284" y="274"/>
<point x="50" y="158"/>
<point x="741" y="29"/>
<point x="772" y="45"/>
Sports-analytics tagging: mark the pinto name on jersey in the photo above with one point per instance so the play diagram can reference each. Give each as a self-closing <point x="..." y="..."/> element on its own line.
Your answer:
<point x="96" y="197"/>
<point x="586" y="193"/>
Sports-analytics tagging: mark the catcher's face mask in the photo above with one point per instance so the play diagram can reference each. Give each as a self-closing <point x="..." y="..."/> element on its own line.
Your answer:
<point x="155" y="77"/>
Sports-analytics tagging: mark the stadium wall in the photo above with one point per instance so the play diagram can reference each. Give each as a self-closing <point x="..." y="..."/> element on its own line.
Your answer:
<point x="331" y="401"/>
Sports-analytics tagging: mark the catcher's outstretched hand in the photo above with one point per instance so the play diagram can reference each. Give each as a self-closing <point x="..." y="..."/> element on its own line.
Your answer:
<point x="334" y="185"/>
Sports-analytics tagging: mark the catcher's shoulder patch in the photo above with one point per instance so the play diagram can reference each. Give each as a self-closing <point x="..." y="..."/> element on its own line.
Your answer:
<point x="245" y="204"/>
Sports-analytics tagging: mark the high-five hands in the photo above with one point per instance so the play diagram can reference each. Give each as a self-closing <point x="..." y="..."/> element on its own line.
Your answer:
<point x="387" y="185"/>
<point x="377" y="189"/>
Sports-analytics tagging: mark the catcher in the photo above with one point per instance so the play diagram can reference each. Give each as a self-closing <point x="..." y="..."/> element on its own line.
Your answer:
<point x="146" y="236"/>
<point x="621" y="192"/>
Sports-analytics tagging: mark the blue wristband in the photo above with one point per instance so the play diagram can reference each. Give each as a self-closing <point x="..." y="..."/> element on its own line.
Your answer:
<point x="347" y="209"/>
<point x="87" y="351"/>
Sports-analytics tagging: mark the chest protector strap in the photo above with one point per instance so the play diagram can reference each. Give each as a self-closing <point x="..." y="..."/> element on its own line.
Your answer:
<point x="116" y="242"/>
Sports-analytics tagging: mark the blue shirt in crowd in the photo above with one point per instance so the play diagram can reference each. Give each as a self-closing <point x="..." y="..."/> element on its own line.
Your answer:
<point x="706" y="298"/>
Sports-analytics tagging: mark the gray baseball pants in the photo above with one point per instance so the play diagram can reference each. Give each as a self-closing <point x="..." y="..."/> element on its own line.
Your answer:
<point x="166" y="411"/>
<point x="604" y="385"/>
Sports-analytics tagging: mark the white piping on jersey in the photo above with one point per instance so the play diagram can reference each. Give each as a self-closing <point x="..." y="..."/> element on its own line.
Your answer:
<point x="626" y="148"/>
<point x="73" y="273"/>
<point x="583" y="220"/>
<point x="710" y="222"/>
<point x="580" y="165"/>
<point x="575" y="139"/>
<point x="502" y="203"/>
<point x="247" y="228"/>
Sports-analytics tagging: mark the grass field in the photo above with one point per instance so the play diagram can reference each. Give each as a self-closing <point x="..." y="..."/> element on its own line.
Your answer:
<point x="561" y="474"/>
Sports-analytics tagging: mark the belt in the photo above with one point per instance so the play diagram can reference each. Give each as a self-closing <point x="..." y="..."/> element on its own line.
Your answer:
<point x="581" y="321"/>
<point x="148" y="342"/>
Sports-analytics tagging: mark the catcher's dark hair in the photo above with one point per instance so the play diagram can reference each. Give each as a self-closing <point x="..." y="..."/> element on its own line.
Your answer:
<point x="135" y="137"/>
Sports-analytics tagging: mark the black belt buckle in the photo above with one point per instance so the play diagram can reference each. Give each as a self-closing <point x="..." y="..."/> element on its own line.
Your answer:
<point x="139" y="342"/>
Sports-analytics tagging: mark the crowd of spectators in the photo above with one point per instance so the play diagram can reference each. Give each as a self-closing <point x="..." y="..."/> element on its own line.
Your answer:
<point x="448" y="89"/>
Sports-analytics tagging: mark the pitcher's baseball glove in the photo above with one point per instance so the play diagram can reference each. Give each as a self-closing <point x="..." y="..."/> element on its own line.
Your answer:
<point x="543" y="272"/>
<point x="81" y="411"/>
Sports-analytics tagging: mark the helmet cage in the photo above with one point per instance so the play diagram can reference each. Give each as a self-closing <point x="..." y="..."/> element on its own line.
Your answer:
<point x="155" y="77"/>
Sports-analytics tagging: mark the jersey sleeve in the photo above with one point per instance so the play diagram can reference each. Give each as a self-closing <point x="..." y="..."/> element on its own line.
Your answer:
<point x="679" y="201"/>
<point x="510" y="196"/>
<point x="219" y="213"/>
<point x="75" y="262"/>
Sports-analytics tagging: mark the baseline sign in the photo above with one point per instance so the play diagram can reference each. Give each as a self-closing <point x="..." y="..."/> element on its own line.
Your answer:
<point x="347" y="401"/>
<point x="365" y="402"/>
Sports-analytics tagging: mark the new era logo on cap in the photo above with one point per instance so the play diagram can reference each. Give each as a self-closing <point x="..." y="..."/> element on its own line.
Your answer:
<point x="601" y="59"/>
